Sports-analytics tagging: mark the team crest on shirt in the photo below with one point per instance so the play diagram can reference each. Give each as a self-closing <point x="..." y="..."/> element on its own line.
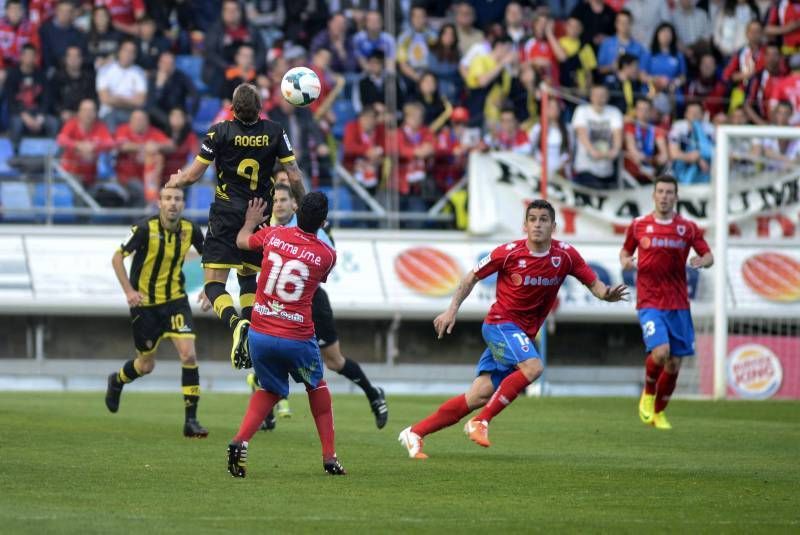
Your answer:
<point x="556" y="261"/>
<point x="681" y="230"/>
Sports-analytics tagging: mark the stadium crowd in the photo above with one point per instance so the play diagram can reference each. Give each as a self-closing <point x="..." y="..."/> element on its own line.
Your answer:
<point x="636" y="85"/>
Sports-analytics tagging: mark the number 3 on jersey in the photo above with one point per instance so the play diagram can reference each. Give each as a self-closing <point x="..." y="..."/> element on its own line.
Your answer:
<point x="281" y="275"/>
<point x="248" y="169"/>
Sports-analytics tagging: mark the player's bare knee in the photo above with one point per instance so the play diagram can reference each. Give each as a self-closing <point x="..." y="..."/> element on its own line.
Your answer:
<point x="661" y="354"/>
<point x="531" y="368"/>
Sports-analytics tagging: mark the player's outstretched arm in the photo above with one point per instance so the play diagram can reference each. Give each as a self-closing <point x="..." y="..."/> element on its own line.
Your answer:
<point x="252" y="218"/>
<point x="187" y="177"/>
<point x="133" y="297"/>
<point x="295" y="179"/>
<point x="609" y="293"/>
<point x="445" y="321"/>
<point x="705" y="261"/>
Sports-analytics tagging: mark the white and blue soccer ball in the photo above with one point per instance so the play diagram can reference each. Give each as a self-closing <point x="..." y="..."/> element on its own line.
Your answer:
<point x="300" y="86"/>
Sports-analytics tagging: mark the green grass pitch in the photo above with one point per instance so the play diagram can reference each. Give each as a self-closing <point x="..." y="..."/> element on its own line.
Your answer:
<point x="556" y="465"/>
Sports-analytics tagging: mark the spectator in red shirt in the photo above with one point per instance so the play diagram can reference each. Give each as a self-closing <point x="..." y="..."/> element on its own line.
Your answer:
<point x="83" y="138"/>
<point x="543" y="50"/>
<point x="184" y="141"/>
<point x="783" y="22"/>
<point x="453" y="145"/>
<point x="15" y="32"/>
<point x="363" y="149"/>
<point x="415" y="145"/>
<point x="788" y="89"/>
<point x="124" y="14"/>
<point x="645" y="144"/>
<point x="762" y="85"/>
<point x="508" y="136"/>
<point x="140" y="158"/>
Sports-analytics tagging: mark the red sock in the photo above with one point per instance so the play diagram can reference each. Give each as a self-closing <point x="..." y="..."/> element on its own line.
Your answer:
<point x="319" y="399"/>
<point x="652" y="370"/>
<point x="261" y="402"/>
<point x="507" y="392"/>
<point x="664" y="388"/>
<point x="448" y="413"/>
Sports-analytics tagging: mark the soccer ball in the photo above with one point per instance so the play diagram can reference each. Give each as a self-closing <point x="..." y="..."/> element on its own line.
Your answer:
<point x="300" y="86"/>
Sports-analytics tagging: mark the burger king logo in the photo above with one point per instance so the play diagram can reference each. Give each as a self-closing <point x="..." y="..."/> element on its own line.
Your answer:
<point x="773" y="276"/>
<point x="754" y="371"/>
<point x="428" y="271"/>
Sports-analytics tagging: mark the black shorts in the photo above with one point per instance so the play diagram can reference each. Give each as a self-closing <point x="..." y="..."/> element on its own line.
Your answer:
<point x="322" y="316"/>
<point x="219" y="248"/>
<point x="150" y="324"/>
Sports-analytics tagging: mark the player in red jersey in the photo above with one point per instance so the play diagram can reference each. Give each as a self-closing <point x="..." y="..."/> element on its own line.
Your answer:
<point x="664" y="239"/>
<point x="281" y="335"/>
<point x="529" y="274"/>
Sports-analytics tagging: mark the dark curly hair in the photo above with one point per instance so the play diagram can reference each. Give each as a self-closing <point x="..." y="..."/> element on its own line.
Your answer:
<point x="312" y="212"/>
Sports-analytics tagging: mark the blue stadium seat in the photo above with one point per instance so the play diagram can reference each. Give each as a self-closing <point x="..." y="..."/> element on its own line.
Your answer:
<point x="200" y="196"/>
<point x="344" y="111"/>
<point x="16" y="195"/>
<point x="62" y="197"/>
<point x="37" y="146"/>
<point x="206" y="111"/>
<point x="6" y="152"/>
<point x="192" y="66"/>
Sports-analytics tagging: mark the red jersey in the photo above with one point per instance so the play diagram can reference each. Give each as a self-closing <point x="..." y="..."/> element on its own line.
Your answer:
<point x="40" y="11"/>
<point x="663" y="249"/>
<point x="130" y="165"/>
<point x="72" y="161"/>
<point x="787" y="88"/>
<point x="13" y="38"/>
<point x="784" y="13"/>
<point x="123" y="11"/>
<point x="294" y="265"/>
<point x="528" y="283"/>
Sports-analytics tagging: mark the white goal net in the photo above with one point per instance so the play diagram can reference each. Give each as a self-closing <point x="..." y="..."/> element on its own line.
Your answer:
<point x="748" y="332"/>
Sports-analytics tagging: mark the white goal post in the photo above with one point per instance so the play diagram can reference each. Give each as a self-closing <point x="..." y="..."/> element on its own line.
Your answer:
<point x="723" y="310"/>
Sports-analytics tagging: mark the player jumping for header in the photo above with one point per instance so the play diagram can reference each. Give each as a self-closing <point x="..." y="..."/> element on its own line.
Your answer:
<point x="664" y="239"/>
<point x="244" y="151"/>
<point x="529" y="274"/>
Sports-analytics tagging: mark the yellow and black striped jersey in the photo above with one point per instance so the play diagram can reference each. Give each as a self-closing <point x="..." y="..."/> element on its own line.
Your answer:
<point x="158" y="255"/>
<point x="244" y="156"/>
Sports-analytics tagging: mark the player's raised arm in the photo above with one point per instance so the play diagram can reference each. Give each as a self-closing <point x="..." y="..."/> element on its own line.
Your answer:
<point x="289" y="164"/>
<point x="187" y="177"/>
<point x="252" y="218"/>
<point x="445" y="321"/>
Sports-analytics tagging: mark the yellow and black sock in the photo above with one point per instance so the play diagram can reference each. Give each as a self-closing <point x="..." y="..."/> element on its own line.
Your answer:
<point x="247" y="293"/>
<point x="128" y="373"/>
<point x="190" y="380"/>
<point x="222" y="302"/>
